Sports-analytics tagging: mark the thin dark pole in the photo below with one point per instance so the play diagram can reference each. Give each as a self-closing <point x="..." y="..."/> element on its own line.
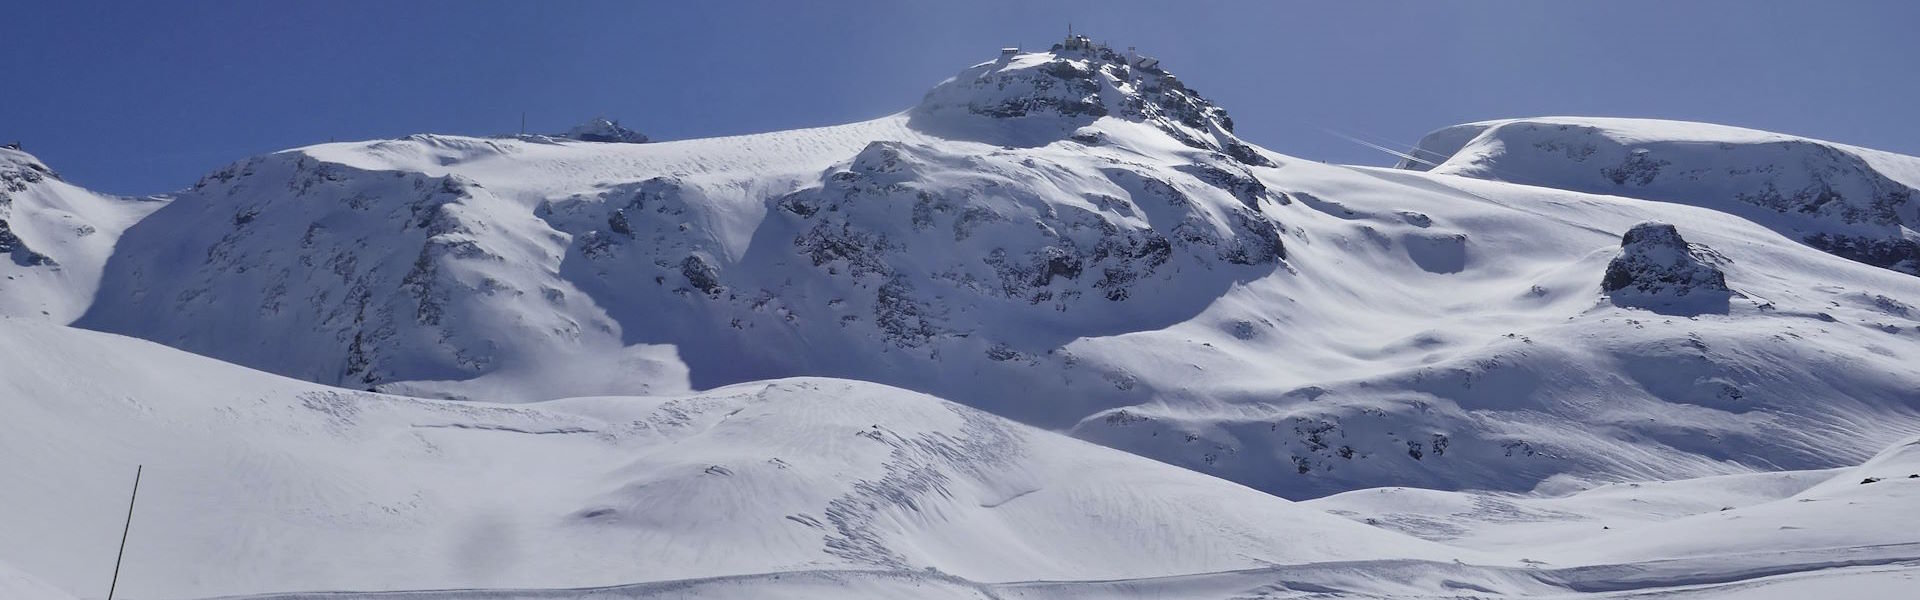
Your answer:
<point x="123" y="532"/>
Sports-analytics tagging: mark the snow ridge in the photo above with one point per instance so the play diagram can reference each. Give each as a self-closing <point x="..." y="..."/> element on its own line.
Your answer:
<point x="1853" y="202"/>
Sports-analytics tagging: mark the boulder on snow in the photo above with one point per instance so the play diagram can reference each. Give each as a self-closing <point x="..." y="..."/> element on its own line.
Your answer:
<point x="1658" y="270"/>
<point x="604" y="130"/>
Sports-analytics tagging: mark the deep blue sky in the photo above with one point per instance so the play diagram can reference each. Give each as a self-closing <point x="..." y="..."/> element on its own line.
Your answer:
<point x="143" y="97"/>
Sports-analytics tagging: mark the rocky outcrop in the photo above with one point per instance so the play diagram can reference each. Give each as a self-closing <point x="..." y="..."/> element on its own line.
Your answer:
<point x="1052" y="94"/>
<point x="1659" y="269"/>
<point x="604" y="130"/>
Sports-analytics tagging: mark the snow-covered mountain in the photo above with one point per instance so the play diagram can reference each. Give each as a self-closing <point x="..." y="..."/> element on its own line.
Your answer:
<point x="54" y="237"/>
<point x="1854" y="202"/>
<point x="840" y="360"/>
<point x="1063" y="239"/>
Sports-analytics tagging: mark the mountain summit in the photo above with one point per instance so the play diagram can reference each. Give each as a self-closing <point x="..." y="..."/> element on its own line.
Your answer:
<point x="1036" y="98"/>
<point x="603" y="129"/>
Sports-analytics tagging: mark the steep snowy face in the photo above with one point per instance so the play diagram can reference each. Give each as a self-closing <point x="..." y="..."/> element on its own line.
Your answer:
<point x="54" y="237"/>
<point x="1658" y="268"/>
<point x="1854" y="202"/>
<point x="1037" y="98"/>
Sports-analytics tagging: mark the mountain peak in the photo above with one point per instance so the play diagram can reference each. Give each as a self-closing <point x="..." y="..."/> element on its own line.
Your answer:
<point x="18" y="168"/>
<point x="1028" y="99"/>
<point x="602" y="129"/>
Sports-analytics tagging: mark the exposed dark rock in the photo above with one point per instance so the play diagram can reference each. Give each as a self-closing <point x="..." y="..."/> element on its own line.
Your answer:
<point x="604" y="130"/>
<point x="701" y="275"/>
<point x="1898" y="254"/>
<point x="1658" y="269"/>
<point x="18" y="250"/>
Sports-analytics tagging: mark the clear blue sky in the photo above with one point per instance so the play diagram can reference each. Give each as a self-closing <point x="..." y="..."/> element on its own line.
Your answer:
<point x="143" y="97"/>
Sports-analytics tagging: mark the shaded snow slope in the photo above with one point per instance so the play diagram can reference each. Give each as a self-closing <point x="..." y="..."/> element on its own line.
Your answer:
<point x="1059" y="240"/>
<point x="1854" y="202"/>
<point x="256" y="483"/>
<point x="54" y="238"/>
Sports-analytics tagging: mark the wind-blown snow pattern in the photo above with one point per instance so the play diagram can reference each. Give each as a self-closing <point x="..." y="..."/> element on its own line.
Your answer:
<point x="1578" y="357"/>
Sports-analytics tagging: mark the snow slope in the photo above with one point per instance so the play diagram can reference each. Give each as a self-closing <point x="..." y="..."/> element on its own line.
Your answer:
<point x="1066" y="241"/>
<point x="256" y="483"/>
<point x="15" y="584"/>
<point x="1854" y="202"/>
<point x="1761" y="534"/>
<point x="55" y="237"/>
<point x="1778" y="535"/>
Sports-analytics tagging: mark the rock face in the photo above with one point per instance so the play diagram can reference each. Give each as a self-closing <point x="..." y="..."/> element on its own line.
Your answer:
<point x="604" y="130"/>
<point x="1658" y="268"/>
<point x="17" y="173"/>
<point x="1853" y="202"/>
